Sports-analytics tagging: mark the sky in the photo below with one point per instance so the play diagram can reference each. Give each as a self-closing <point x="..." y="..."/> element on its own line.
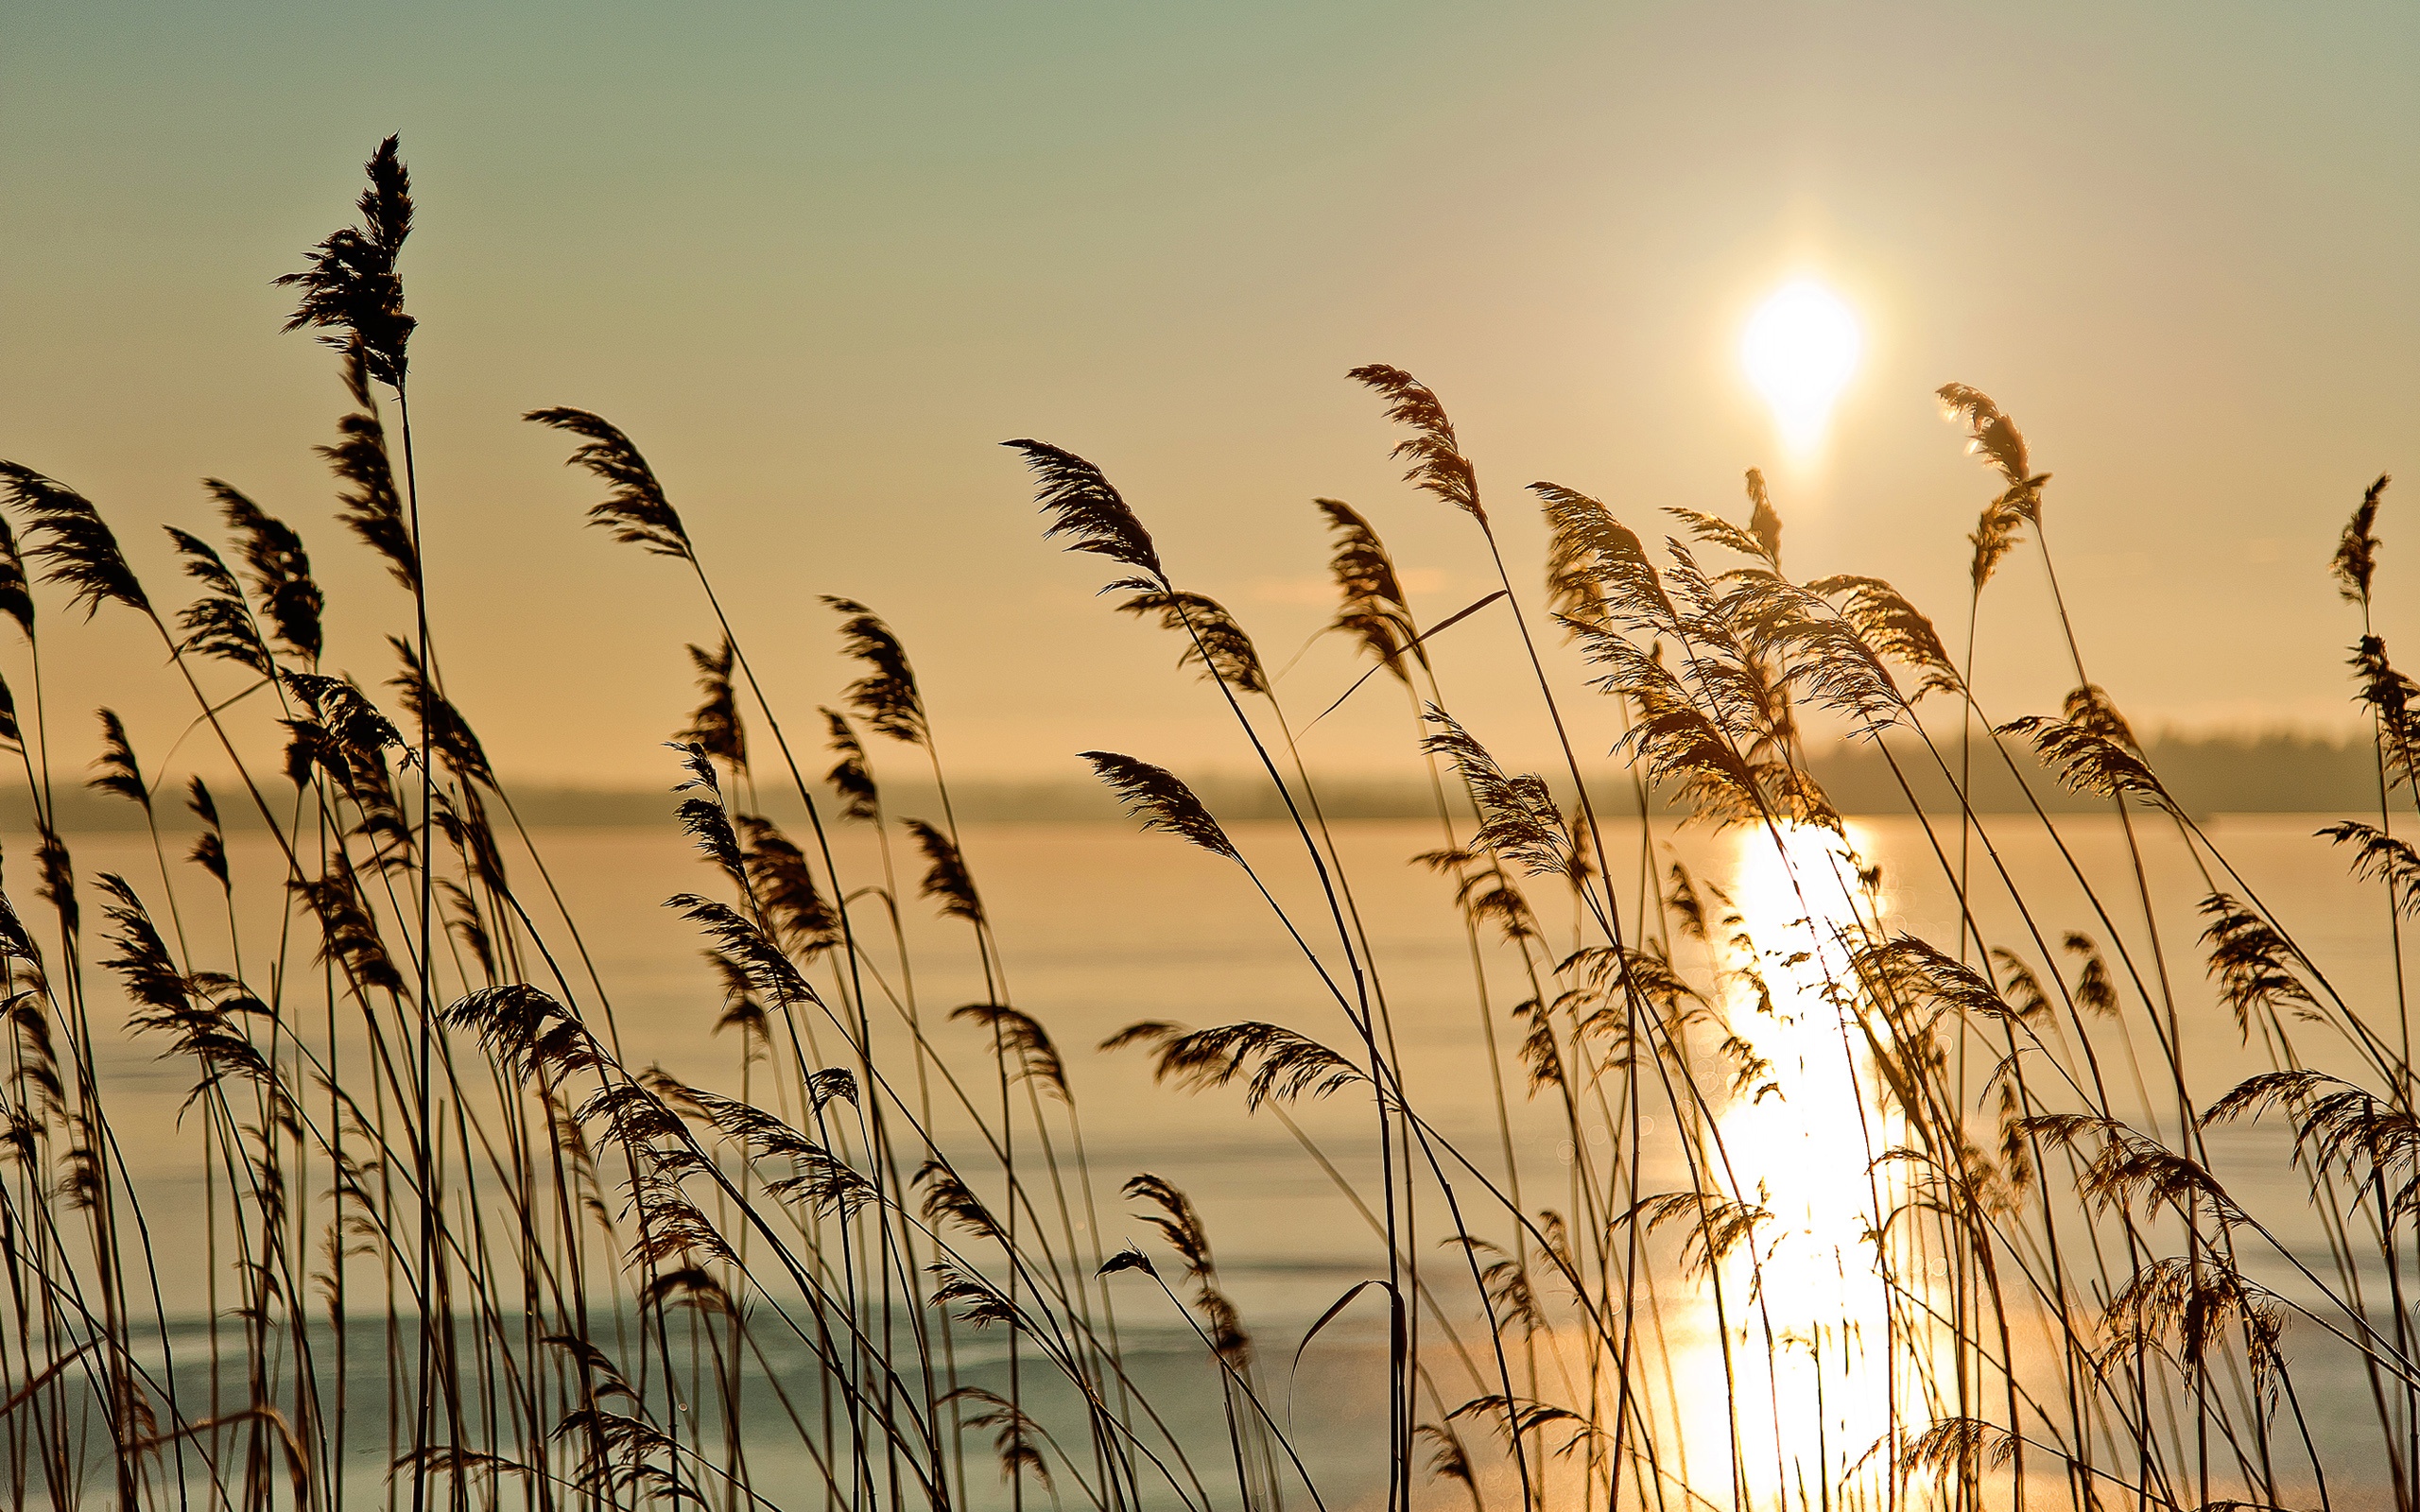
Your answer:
<point x="817" y="261"/>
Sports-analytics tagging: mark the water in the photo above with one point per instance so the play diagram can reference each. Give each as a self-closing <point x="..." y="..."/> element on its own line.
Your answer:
<point x="1100" y="927"/>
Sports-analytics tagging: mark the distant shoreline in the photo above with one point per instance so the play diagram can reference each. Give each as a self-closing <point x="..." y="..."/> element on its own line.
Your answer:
<point x="2273" y="774"/>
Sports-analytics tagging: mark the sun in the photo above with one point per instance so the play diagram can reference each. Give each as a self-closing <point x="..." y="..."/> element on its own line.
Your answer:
<point x="1799" y="350"/>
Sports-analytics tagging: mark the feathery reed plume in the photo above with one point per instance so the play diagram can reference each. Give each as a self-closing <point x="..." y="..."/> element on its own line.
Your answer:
<point x="1764" y="521"/>
<point x="1777" y="639"/>
<point x="1511" y="1300"/>
<point x="1517" y="1417"/>
<point x="762" y="962"/>
<point x="218" y="623"/>
<point x="1995" y="536"/>
<point x="1685" y="904"/>
<point x="151" y="980"/>
<point x="209" y="848"/>
<point x="1373" y="608"/>
<point x="849" y="777"/>
<point x="57" y="870"/>
<point x="2356" y="554"/>
<point x="1084" y="506"/>
<point x="1721" y="532"/>
<point x="741" y="1011"/>
<point x="817" y="1178"/>
<point x="1020" y="1038"/>
<point x="119" y="771"/>
<point x="969" y="1299"/>
<point x="2338" y="1126"/>
<point x="1177" y="1222"/>
<point x="1991" y="433"/>
<point x="1181" y="1227"/>
<point x="2090" y="707"/>
<point x="778" y="876"/>
<point x="618" y="1461"/>
<point x="885" y="697"/>
<point x="2380" y="858"/>
<point x="281" y="570"/>
<point x="348" y="935"/>
<point x="704" y="818"/>
<point x="345" y="712"/>
<point x="2090" y="759"/>
<point x="2334" y="1119"/>
<point x="1438" y="465"/>
<point x="1160" y="801"/>
<point x="344" y="741"/>
<point x="1905" y="969"/>
<point x="2187" y="1309"/>
<point x="1713" y="1224"/>
<point x="462" y="921"/>
<point x="1485" y="893"/>
<point x="1517" y="814"/>
<point x="1539" y="1051"/>
<point x="449" y="734"/>
<point x="1274" y="1062"/>
<point x="1017" y="1439"/>
<point x="1214" y="641"/>
<point x="1894" y="628"/>
<point x="2393" y="701"/>
<point x="948" y="1199"/>
<point x="68" y="534"/>
<point x="2020" y="987"/>
<point x="166" y="1001"/>
<point x="1575" y="596"/>
<point x="16" y="590"/>
<point x="1599" y="569"/>
<point x="946" y="874"/>
<point x="1955" y="1448"/>
<point x="2131" y="1167"/>
<point x="1447" y="1459"/>
<point x="635" y="509"/>
<point x="2095" y="988"/>
<point x="1994" y="436"/>
<point x="2253" y="963"/>
<point x="715" y="727"/>
<point x="373" y="507"/>
<point x="350" y="291"/>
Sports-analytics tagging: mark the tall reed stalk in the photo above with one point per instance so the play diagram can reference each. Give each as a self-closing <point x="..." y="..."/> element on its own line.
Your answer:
<point x="1761" y="1199"/>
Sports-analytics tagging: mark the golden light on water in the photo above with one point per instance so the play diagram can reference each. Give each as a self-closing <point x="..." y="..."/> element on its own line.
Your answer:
<point x="1799" y="350"/>
<point x="1809" y="1320"/>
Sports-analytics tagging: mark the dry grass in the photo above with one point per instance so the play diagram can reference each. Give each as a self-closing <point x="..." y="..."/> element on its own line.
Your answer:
<point x="449" y="1226"/>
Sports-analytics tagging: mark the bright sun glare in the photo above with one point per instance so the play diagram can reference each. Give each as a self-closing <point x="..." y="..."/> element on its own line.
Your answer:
<point x="1799" y="349"/>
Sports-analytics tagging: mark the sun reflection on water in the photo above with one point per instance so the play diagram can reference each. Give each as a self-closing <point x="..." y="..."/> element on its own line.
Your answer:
<point x="1814" y="1364"/>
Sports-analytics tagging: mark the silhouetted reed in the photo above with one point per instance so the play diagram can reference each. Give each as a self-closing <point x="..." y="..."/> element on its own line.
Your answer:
<point x="458" y="1249"/>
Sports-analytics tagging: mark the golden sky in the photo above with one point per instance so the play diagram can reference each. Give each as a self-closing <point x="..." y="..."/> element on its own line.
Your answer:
<point x="819" y="260"/>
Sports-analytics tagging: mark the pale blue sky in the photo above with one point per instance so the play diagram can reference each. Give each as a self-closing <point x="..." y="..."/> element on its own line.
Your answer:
<point x="818" y="260"/>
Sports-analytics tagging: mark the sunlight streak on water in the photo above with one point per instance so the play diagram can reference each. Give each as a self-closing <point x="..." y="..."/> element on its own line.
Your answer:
<point x="1806" y="1305"/>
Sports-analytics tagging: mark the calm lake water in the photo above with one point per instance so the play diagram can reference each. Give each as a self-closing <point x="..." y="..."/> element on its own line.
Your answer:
<point x="1100" y="927"/>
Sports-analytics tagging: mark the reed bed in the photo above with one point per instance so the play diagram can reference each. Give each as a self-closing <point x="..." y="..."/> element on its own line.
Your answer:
<point x="461" y="1251"/>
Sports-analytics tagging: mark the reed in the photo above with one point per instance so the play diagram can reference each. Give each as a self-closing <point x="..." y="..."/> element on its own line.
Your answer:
<point x="461" y="1249"/>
